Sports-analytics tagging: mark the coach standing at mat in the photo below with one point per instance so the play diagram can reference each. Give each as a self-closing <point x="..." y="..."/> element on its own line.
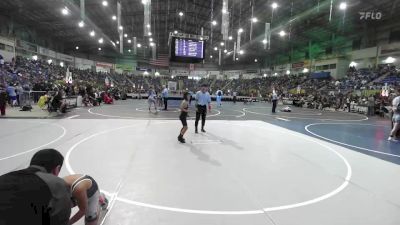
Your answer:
<point x="165" y="97"/>
<point x="203" y="99"/>
<point x="274" y="101"/>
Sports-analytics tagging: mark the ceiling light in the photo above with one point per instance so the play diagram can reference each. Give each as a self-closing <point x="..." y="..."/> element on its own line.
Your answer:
<point x="254" y="20"/>
<point x="77" y="47"/>
<point x="49" y="61"/>
<point x="255" y="60"/>
<point x="389" y="60"/>
<point x="99" y="49"/>
<point x="215" y="49"/>
<point x="224" y="11"/>
<point x="287" y="72"/>
<point x="117" y="42"/>
<point x="211" y="56"/>
<point x="230" y="37"/>
<point x="129" y="41"/>
<point x="139" y="45"/>
<point x="274" y="5"/>
<point x="150" y="39"/>
<point x="180" y="14"/>
<point x="264" y="41"/>
<point x="101" y="40"/>
<point x="240" y="30"/>
<point x="175" y="32"/>
<point x="126" y="35"/>
<point x="222" y="44"/>
<point x="265" y="75"/>
<point x="65" y="11"/>
<point x="35" y="57"/>
<point x="353" y="64"/>
<point x="282" y="33"/>
<point x="225" y="51"/>
<point x="81" y="24"/>
<point x="343" y="6"/>
<point x="144" y="2"/>
<point x="148" y="25"/>
<point x="129" y="50"/>
<point x="237" y="59"/>
<point x="114" y="17"/>
<point x="105" y="3"/>
<point x="151" y="44"/>
<point x="121" y="27"/>
<point x="241" y="52"/>
<point x="214" y="23"/>
<point x="92" y="33"/>
<point x="150" y="33"/>
<point x="61" y="64"/>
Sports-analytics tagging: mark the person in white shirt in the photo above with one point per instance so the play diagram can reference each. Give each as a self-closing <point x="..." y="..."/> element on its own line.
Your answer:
<point x="219" y="98"/>
<point x="164" y="95"/>
<point x="395" y="118"/>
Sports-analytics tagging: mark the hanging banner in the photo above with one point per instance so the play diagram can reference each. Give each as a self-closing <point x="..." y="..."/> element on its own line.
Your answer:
<point x="134" y="45"/>
<point x="238" y="43"/>
<point x="267" y="36"/>
<point x="225" y="21"/>
<point x="147" y="18"/>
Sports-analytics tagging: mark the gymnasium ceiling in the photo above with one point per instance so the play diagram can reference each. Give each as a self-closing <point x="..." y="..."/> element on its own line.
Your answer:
<point x="302" y="20"/>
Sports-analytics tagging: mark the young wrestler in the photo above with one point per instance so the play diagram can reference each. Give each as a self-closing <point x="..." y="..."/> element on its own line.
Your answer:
<point x="183" y="116"/>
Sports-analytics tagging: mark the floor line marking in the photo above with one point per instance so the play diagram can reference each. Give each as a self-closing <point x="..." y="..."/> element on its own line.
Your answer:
<point x="304" y="118"/>
<point x="283" y="119"/>
<point x="145" y="118"/>
<point x="348" y="145"/>
<point x="39" y="147"/>
<point x="346" y="179"/>
<point x="71" y="117"/>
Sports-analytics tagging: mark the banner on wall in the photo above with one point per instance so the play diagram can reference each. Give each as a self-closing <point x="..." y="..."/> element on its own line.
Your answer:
<point x="298" y="65"/>
<point x="104" y="65"/>
<point x="124" y="67"/>
<point x="172" y="85"/>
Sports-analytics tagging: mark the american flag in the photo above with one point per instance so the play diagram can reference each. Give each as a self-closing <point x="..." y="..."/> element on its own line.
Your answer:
<point x="161" y="61"/>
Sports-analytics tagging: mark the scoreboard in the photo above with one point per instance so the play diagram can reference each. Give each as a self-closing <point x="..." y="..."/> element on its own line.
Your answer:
<point x="189" y="48"/>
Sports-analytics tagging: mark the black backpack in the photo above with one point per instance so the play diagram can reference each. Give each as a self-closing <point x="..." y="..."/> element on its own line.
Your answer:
<point x="26" y="108"/>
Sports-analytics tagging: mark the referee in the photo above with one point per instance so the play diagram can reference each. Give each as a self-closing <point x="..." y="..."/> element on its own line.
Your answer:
<point x="203" y="99"/>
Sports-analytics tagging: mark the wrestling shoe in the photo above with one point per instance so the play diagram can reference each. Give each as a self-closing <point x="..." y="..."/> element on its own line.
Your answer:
<point x="202" y="130"/>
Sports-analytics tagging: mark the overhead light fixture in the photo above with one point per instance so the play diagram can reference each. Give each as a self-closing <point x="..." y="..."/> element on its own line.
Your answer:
<point x="224" y="11"/>
<point x="215" y="49"/>
<point x="214" y="23"/>
<point x="241" y="52"/>
<point x="81" y="24"/>
<point x="211" y="56"/>
<point x="353" y="64"/>
<point x="117" y="42"/>
<point x="389" y="60"/>
<point x="126" y="35"/>
<point x="230" y="38"/>
<point x="77" y="47"/>
<point x="151" y="44"/>
<point x="139" y="45"/>
<point x="274" y="5"/>
<point x="150" y="34"/>
<point x="129" y="41"/>
<point x="129" y="50"/>
<point x="237" y="59"/>
<point x="49" y="61"/>
<point x="222" y="43"/>
<point x="148" y="25"/>
<point x="254" y="20"/>
<point x="121" y="27"/>
<point x="101" y="40"/>
<point x="343" y="6"/>
<point x="114" y="17"/>
<point x="61" y="64"/>
<point x="282" y="33"/>
<point x="92" y="33"/>
<point x="181" y="14"/>
<point x="240" y="30"/>
<point x="287" y="72"/>
<point x="255" y="60"/>
<point x="144" y="2"/>
<point x="99" y="49"/>
<point x="264" y="41"/>
<point x="65" y="11"/>
<point x="35" y="57"/>
<point x="225" y="51"/>
<point x="265" y="75"/>
<point x="150" y="39"/>
<point x="105" y="3"/>
<point x="175" y="31"/>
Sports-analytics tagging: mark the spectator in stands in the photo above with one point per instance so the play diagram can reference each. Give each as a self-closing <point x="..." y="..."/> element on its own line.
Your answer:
<point x="3" y="100"/>
<point x="1" y="61"/>
<point x="395" y="117"/>
<point x="12" y="95"/>
<point x="35" y="195"/>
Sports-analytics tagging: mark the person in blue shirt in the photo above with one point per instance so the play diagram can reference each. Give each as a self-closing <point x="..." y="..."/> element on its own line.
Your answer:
<point x="12" y="95"/>
<point x="203" y="99"/>
<point x="164" y="95"/>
